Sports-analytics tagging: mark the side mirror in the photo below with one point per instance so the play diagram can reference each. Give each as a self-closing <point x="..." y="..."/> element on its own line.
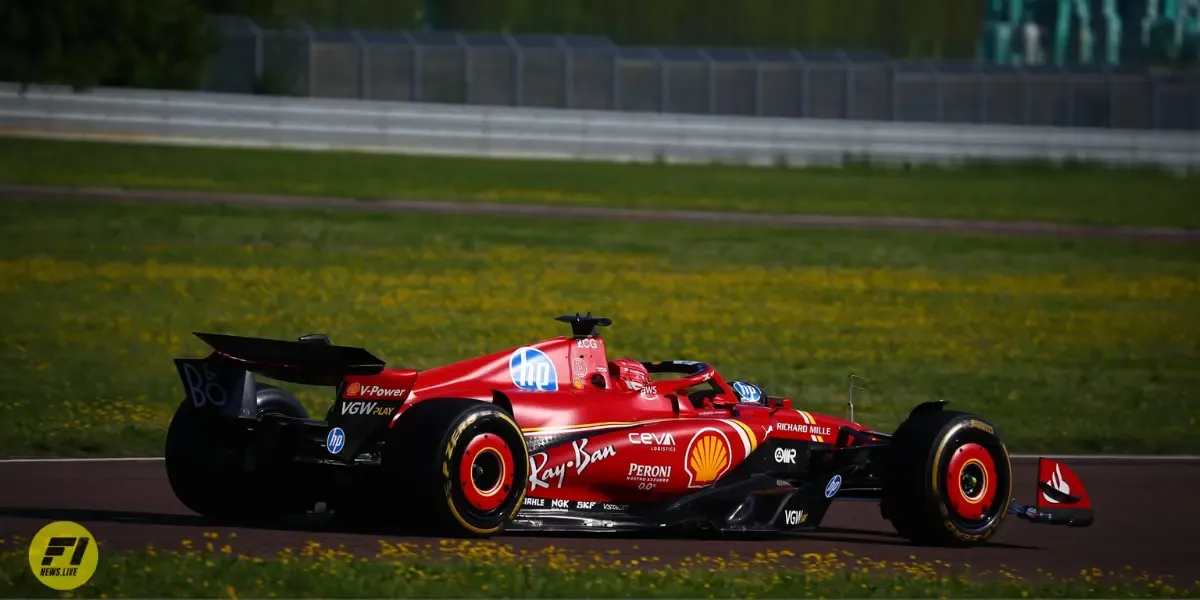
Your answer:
<point x="775" y="402"/>
<point x="724" y="403"/>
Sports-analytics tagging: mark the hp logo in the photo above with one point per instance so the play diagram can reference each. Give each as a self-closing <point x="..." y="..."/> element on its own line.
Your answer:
<point x="833" y="486"/>
<point x="532" y="371"/>
<point x="336" y="440"/>
<point x="747" y="392"/>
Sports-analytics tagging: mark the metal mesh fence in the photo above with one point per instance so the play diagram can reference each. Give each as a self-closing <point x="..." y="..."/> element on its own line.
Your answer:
<point x="592" y="73"/>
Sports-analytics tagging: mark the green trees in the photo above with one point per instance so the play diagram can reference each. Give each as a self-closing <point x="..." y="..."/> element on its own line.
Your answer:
<point x="86" y="43"/>
<point x="918" y="28"/>
<point x="363" y="14"/>
<point x="908" y="28"/>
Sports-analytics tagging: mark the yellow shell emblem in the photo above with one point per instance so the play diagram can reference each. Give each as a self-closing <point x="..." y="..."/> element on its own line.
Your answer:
<point x="708" y="457"/>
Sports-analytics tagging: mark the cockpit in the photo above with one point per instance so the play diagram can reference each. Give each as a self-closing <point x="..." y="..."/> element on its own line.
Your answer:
<point x="702" y="390"/>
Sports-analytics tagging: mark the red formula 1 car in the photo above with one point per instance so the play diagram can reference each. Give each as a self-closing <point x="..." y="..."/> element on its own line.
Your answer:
<point x="555" y="436"/>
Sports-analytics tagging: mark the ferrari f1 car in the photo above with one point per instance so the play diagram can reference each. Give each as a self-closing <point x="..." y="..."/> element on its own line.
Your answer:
<point x="553" y="436"/>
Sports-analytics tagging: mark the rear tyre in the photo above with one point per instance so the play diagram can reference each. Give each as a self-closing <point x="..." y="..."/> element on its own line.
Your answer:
<point x="455" y="468"/>
<point x="947" y="479"/>
<point x="214" y="470"/>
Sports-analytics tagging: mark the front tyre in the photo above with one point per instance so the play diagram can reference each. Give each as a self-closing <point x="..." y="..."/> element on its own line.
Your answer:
<point x="456" y="467"/>
<point x="947" y="479"/>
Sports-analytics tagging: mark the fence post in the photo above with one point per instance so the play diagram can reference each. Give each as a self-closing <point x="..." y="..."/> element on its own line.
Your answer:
<point x="983" y="92"/>
<point x="364" y="65"/>
<point x="803" y="84"/>
<point x="415" y="88"/>
<point x="1070" y="80"/>
<point x="712" y="82"/>
<point x="940" y="114"/>
<point x="758" y="87"/>
<point x="616" y="85"/>
<point x="518" y="91"/>
<point x="1153" y="101"/>
<point x="664" y="82"/>
<point x="568" y="71"/>
<point x="468" y="73"/>
<point x="1196" y="105"/>
<point x="257" y="32"/>
<point x="1026" y="94"/>
<point x="849" y="64"/>
<point x="1112" y="100"/>
<point x="310" y="39"/>
<point x="895" y="89"/>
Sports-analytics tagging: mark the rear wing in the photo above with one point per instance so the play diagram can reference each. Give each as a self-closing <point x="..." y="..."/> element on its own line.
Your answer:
<point x="311" y="361"/>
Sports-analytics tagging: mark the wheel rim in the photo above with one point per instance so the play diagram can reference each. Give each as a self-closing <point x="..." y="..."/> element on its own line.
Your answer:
<point x="971" y="481"/>
<point x="486" y="472"/>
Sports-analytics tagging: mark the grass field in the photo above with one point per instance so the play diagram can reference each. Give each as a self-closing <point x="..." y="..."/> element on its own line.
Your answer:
<point x="1070" y="195"/>
<point x="1067" y="345"/>
<point x="214" y="568"/>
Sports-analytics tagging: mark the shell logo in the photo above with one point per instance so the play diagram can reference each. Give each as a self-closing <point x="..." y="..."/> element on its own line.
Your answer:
<point x="353" y="390"/>
<point x="708" y="457"/>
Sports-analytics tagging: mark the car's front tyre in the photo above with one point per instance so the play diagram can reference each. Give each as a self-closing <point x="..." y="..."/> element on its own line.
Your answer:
<point x="947" y="479"/>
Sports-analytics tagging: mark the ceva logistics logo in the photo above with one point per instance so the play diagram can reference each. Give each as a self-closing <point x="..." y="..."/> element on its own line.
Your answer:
<point x="63" y="555"/>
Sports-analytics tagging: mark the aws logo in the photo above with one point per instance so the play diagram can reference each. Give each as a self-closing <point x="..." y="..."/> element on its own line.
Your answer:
<point x="532" y="371"/>
<point x="708" y="457"/>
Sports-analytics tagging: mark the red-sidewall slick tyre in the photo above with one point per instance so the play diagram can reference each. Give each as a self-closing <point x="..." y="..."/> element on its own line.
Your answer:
<point x="947" y="479"/>
<point x="455" y="467"/>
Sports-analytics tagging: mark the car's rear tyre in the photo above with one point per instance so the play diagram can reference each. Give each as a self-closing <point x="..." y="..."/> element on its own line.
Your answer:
<point x="456" y="468"/>
<point x="947" y="479"/>
<point x="214" y="471"/>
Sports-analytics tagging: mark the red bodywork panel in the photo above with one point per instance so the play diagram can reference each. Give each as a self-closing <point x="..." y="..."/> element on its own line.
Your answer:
<point x="630" y="446"/>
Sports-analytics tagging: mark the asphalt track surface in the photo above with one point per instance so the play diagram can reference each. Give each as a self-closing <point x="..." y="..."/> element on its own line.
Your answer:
<point x="1144" y="521"/>
<point x="1177" y="235"/>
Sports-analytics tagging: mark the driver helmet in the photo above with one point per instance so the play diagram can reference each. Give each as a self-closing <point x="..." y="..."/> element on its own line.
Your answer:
<point x="631" y="373"/>
<point x="747" y="392"/>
